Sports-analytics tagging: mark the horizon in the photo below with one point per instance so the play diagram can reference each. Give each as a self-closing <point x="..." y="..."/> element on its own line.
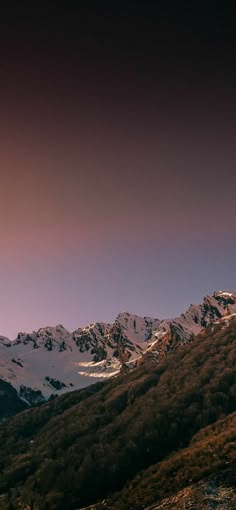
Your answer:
<point x="160" y="316"/>
<point x="117" y="157"/>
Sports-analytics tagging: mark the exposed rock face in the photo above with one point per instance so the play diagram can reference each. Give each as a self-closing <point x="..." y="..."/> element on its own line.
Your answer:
<point x="52" y="360"/>
<point x="173" y="332"/>
<point x="31" y="396"/>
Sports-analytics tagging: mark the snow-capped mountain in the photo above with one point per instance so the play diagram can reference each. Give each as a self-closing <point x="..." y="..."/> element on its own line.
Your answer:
<point x="180" y="330"/>
<point x="53" y="360"/>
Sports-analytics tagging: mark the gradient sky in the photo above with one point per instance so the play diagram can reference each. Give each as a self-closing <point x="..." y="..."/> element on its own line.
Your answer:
<point x="117" y="159"/>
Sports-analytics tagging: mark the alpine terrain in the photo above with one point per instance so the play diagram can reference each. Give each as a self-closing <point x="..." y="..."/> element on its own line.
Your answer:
<point x="51" y="361"/>
<point x="161" y="436"/>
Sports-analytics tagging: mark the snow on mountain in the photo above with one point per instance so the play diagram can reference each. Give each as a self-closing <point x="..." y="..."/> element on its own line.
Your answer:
<point x="53" y="361"/>
<point x="111" y="345"/>
<point x="172" y="332"/>
<point x="136" y="329"/>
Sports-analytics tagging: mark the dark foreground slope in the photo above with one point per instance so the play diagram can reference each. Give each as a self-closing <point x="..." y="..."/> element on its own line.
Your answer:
<point x="216" y="492"/>
<point x="10" y="403"/>
<point x="202" y="474"/>
<point x="111" y="441"/>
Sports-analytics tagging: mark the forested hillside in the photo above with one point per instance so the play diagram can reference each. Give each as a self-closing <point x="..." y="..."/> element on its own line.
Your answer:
<point x="133" y="440"/>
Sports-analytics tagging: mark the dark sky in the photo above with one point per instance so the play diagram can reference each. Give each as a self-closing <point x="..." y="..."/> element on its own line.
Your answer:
<point x="117" y="158"/>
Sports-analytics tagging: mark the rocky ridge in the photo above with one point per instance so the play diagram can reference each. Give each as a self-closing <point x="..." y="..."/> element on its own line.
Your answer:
<point x="53" y="360"/>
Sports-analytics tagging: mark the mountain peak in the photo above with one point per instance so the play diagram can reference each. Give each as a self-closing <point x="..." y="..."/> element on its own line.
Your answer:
<point x="224" y="294"/>
<point x="53" y="360"/>
<point x="53" y="329"/>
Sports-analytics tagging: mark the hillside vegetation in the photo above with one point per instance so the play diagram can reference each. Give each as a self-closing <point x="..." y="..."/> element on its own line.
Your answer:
<point x="212" y="453"/>
<point x="133" y="440"/>
<point x="10" y="403"/>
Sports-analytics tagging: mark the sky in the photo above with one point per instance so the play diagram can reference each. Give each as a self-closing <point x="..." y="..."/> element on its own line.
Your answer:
<point x="117" y="163"/>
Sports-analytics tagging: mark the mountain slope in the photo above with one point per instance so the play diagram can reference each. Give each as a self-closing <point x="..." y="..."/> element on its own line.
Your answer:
<point x="10" y="403"/>
<point x="172" y="332"/>
<point x="210" y="457"/>
<point x="54" y="361"/>
<point x="217" y="492"/>
<point x="107" y="439"/>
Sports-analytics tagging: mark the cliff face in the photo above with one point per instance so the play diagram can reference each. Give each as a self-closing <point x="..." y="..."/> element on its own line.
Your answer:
<point x="53" y="361"/>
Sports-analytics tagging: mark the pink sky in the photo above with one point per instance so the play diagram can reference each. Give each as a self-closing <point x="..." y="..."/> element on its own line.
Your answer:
<point x="114" y="194"/>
